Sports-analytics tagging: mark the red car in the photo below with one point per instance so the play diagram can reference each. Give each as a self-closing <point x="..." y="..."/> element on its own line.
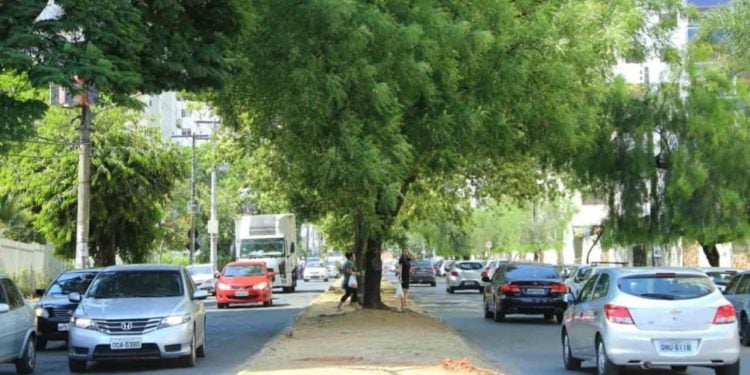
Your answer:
<point x="244" y="281"/>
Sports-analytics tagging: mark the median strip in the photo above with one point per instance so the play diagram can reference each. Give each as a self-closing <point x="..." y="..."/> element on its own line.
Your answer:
<point x="366" y="341"/>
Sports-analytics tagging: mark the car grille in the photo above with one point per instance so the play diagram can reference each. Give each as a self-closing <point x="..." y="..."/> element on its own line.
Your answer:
<point x="127" y="326"/>
<point x="63" y="314"/>
<point x="146" y="351"/>
<point x="242" y="287"/>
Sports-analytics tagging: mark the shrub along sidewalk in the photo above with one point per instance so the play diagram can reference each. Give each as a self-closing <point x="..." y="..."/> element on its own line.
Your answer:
<point x="364" y="341"/>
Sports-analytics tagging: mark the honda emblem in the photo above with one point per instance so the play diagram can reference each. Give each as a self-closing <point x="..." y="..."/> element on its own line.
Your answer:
<point x="127" y="326"/>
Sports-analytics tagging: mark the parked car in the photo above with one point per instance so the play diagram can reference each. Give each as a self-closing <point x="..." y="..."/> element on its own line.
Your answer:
<point x="316" y="270"/>
<point x="203" y="277"/>
<point x="738" y="293"/>
<point x="16" y="328"/>
<point x="54" y="310"/>
<point x="644" y="317"/>
<point x="566" y="270"/>
<point x="145" y="311"/>
<point x="422" y="272"/>
<point x="333" y="268"/>
<point x="720" y="276"/>
<point x="525" y="288"/>
<point x="492" y="266"/>
<point x="245" y="281"/>
<point x="465" y="275"/>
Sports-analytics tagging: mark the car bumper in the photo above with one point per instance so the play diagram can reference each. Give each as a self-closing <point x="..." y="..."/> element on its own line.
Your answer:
<point x="316" y="277"/>
<point x="50" y="328"/>
<point x="629" y="346"/>
<point x="253" y="296"/>
<point x="422" y="279"/>
<point x="533" y="305"/>
<point x="91" y="345"/>
<point x="464" y="284"/>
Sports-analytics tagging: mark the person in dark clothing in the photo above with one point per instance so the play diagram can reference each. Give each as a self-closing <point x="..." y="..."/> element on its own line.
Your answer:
<point x="349" y="270"/>
<point x="404" y="267"/>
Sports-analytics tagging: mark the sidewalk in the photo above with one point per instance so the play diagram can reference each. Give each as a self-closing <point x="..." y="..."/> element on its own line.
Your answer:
<point x="366" y="342"/>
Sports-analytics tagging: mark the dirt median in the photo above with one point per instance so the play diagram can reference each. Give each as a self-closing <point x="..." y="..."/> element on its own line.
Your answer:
<point x="365" y="341"/>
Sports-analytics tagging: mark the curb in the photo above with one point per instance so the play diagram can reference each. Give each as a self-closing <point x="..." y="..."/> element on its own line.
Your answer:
<point x="286" y="332"/>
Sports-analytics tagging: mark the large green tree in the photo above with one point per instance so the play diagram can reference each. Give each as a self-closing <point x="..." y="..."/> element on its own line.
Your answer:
<point x="133" y="174"/>
<point x="358" y="100"/>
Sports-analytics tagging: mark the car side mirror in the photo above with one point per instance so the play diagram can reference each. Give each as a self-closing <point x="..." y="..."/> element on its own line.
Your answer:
<point x="217" y="275"/>
<point x="200" y="294"/>
<point x="74" y="297"/>
<point x="569" y="298"/>
<point x="39" y="292"/>
<point x="486" y="279"/>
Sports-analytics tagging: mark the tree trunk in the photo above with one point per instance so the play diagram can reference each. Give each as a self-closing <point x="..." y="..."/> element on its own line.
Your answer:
<point x="712" y="254"/>
<point x="373" y="275"/>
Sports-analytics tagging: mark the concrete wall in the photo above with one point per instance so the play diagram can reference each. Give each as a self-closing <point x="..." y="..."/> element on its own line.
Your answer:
<point x="33" y="261"/>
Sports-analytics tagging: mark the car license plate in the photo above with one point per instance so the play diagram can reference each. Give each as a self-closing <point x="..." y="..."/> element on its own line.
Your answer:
<point x="125" y="342"/>
<point x="676" y="346"/>
<point x="241" y="293"/>
<point x="536" y="291"/>
<point x="63" y="327"/>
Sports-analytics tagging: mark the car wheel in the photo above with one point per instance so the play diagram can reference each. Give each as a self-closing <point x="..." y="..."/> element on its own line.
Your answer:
<point x="498" y="315"/>
<point x="433" y="284"/>
<point x="325" y="280"/>
<point x="75" y="365"/>
<point x="201" y="351"/>
<point x="221" y="305"/>
<point x="450" y="290"/>
<point x="190" y="359"/>
<point x="679" y="368"/>
<point x="744" y="330"/>
<point x="571" y="363"/>
<point x="559" y="318"/>
<point x="41" y="343"/>
<point x="307" y="280"/>
<point x="603" y="365"/>
<point x="733" y="369"/>
<point x="267" y="303"/>
<point x="27" y="362"/>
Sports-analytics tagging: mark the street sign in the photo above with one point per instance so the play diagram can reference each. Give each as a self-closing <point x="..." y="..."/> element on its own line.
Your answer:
<point x="488" y="244"/>
<point x="213" y="226"/>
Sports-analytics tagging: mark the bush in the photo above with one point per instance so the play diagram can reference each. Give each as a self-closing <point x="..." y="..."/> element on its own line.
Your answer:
<point x="29" y="280"/>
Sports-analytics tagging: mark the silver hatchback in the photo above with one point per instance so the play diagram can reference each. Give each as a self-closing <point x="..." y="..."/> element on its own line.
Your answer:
<point x="644" y="317"/>
<point x="138" y="312"/>
<point x="465" y="275"/>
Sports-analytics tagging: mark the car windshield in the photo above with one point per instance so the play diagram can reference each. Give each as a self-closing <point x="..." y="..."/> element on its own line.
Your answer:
<point x="262" y="248"/>
<point x="469" y="266"/>
<point x="247" y="270"/>
<point x="423" y="265"/>
<point x="135" y="284"/>
<point x="531" y="272"/>
<point x="668" y="286"/>
<point x="199" y="270"/>
<point x="314" y="264"/>
<point x="71" y="282"/>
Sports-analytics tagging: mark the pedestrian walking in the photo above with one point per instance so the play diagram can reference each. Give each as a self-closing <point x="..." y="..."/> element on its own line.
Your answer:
<point x="349" y="269"/>
<point x="404" y="267"/>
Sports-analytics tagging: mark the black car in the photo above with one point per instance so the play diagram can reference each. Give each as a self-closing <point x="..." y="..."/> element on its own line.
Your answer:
<point x="54" y="310"/>
<point x="525" y="288"/>
<point x="422" y="272"/>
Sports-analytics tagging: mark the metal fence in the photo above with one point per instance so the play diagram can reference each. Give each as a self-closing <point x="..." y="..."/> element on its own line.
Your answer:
<point x="30" y="265"/>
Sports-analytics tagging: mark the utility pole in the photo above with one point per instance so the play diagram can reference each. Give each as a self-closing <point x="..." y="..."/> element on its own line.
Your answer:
<point x="84" y="184"/>
<point x="213" y="222"/>
<point x="192" y="205"/>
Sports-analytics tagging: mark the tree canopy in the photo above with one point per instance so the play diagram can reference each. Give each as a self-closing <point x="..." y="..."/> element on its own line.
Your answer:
<point x="357" y="101"/>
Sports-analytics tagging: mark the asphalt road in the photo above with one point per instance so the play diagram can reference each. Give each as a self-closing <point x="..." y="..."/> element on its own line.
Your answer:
<point x="523" y="344"/>
<point x="234" y="335"/>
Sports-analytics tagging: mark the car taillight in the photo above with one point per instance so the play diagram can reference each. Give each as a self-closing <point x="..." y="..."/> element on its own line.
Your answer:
<point x="724" y="315"/>
<point x="510" y="288"/>
<point x="454" y="273"/>
<point x="618" y="314"/>
<point x="562" y="289"/>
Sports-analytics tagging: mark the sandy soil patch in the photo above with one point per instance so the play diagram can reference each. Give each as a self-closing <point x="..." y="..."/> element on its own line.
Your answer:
<point x="357" y="341"/>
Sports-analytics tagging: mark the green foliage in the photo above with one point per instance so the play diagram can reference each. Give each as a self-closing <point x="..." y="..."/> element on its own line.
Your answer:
<point x="20" y="106"/>
<point x="727" y="29"/>
<point x="133" y="173"/>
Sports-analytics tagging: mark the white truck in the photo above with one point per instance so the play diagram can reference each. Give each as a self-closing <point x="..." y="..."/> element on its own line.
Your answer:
<point x="269" y="238"/>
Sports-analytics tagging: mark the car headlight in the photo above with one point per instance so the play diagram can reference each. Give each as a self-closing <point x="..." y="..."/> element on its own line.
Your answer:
<point x="174" y="320"/>
<point x="83" y="322"/>
<point x="260" y="286"/>
<point x="222" y="286"/>
<point x="41" y="312"/>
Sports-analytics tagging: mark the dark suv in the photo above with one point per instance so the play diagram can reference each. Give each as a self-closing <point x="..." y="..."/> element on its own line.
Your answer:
<point x="54" y="310"/>
<point x="524" y="288"/>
